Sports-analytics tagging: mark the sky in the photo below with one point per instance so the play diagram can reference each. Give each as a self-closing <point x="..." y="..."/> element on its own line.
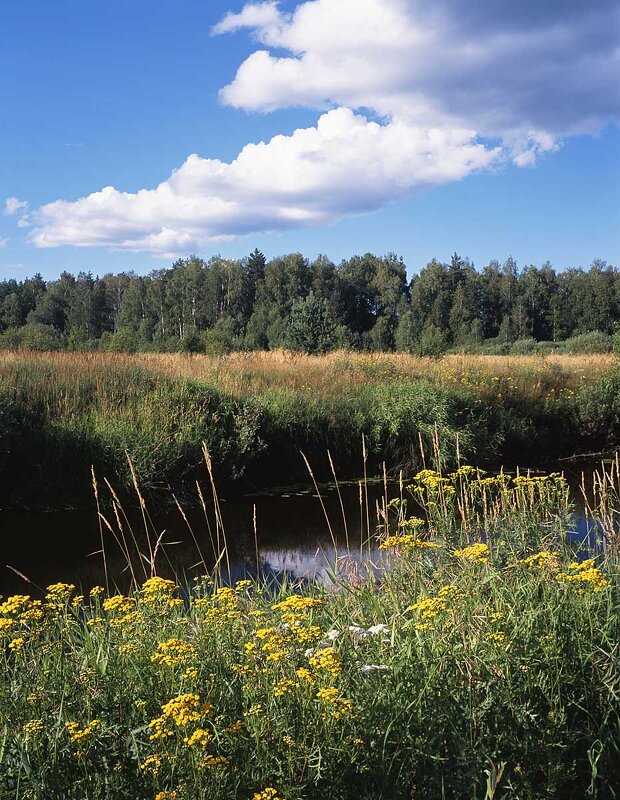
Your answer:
<point x="133" y="133"/>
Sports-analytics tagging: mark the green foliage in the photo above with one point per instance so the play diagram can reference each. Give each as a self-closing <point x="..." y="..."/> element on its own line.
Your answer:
<point x="444" y="306"/>
<point x="311" y="328"/>
<point x="483" y="655"/>
<point x="523" y="347"/>
<point x="591" y="342"/>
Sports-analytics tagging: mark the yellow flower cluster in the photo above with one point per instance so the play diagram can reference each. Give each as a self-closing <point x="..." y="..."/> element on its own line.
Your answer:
<point x="545" y="559"/>
<point x="181" y="710"/>
<point x="284" y="686"/>
<point x="132" y="618"/>
<point x="327" y="660"/>
<point x="213" y="761"/>
<point x="407" y="541"/>
<point x="166" y="796"/>
<point x="155" y="589"/>
<point x="306" y="634"/>
<point x="78" y="735"/>
<point x="33" y="726"/>
<point x="59" y="592"/>
<point x="305" y="674"/>
<point x="268" y="793"/>
<point x="478" y="553"/>
<point x="174" y="652"/>
<point x="15" y="604"/>
<point x="431" y="607"/>
<point x="296" y="603"/>
<point x="151" y="764"/>
<point x="339" y="706"/>
<point x="584" y="576"/>
<point x="199" y="738"/>
<point x="118" y="604"/>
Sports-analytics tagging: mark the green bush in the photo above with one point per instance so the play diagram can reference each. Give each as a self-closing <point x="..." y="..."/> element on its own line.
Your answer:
<point x="591" y="342"/>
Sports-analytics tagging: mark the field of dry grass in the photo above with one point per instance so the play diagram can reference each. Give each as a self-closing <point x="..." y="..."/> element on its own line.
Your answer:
<point x="329" y="375"/>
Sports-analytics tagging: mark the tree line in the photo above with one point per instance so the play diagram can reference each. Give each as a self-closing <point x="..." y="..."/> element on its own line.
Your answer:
<point x="365" y="302"/>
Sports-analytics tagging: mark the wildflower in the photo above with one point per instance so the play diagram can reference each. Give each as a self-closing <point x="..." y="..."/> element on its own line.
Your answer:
<point x="305" y="675"/>
<point x="340" y="706"/>
<point x="118" y="604"/>
<point x="430" y="607"/>
<point x="306" y="634"/>
<point x="407" y="541"/>
<point x="375" y="629"/>
<point x="15" y="604"/>
<point x="285" y="686"/>
<point x="254" y="710"/>
<point x="59" y="592"/>
<point x="478" y="553"/>
<point x="132" y="618"/>
<point x="17" y="645"/>
<point x="185" y="708"/>
<point x="166" y="796"/>
<point x="328" y="660"/>
<point x="199" y="738"/>
<point x="96" y="591"/>
<point x="33" y="726"/>
<point x="78" y="735"/>
<point x="241" y="585"/>
<point x="297" y="603"/>
<point x="151" y="764"/>
<point x="213" y="761"/>
<point x="268" y="793"/>
<point x="235" y="726"/>
<point x="173" y="652"/>
<point x="583" y="576"/>
<point x="373" y="668"/>
<point x="157" y="588"/>
<point x="190" y="673"/>
<point x="332" y="635"/>
<point x="545" y="559"/>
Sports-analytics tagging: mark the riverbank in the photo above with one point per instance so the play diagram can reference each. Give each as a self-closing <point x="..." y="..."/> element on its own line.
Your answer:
<point x="481" y="661"/>
<point x="63" y="413"/>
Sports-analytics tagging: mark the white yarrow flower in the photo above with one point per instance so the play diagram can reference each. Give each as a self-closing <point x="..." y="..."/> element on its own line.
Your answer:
<point x="381" y="628"/>
<point x="373" y="668"/>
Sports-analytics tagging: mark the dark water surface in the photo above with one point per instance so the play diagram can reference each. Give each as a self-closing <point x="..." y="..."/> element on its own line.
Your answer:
<point x="293" y="538"/>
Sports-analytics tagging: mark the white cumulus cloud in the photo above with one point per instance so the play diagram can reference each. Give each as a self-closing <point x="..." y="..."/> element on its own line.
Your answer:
<point x="346" y="164"/>
<point x="410" y="94"/>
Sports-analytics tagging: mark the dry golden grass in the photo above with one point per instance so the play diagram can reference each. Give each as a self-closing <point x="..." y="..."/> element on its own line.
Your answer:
<point x="243" y="374"/>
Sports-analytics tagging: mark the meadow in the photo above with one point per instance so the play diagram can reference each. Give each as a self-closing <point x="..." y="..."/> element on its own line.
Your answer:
<point x="476" y="656"/>
<point x="63" y="413"/>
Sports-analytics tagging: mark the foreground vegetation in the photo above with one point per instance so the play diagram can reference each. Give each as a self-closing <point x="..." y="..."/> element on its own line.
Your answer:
<point x="62" y="413"/>
<point x="480" y="661"/>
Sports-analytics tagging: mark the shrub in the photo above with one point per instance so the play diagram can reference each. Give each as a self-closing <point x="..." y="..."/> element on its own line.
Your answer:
<point x="591" y="342"/>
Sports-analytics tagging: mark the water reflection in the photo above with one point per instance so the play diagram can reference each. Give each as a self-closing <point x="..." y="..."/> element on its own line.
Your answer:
<point x="293" y="540"/>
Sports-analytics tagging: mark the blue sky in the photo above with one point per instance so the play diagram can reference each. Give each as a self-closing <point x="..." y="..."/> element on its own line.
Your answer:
<point x="111" y="93"/>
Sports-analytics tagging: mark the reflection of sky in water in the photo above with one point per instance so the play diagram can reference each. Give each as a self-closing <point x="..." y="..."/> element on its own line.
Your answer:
<point x="294" y="542"/>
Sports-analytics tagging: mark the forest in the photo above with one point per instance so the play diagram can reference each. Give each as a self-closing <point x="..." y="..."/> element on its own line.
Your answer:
<point x="364" y="303"/>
